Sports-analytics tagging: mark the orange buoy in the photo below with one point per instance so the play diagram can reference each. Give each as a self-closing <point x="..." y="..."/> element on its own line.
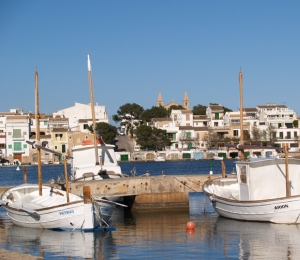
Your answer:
<point x="190" y="225"/>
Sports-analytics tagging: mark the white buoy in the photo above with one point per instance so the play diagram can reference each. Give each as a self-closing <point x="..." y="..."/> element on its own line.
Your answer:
<point x="18" y="168"/>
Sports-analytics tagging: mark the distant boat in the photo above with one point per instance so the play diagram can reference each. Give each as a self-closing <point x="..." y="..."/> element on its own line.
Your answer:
<point x="159" y="159"/>
<point x="218" y="158"/>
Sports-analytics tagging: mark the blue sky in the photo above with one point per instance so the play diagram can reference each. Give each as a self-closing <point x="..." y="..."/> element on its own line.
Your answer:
<point x="140" y="48"/>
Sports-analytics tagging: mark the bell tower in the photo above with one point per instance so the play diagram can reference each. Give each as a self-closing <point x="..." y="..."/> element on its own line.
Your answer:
<point x="160" y="102"/>
<point x="186" y="101"/>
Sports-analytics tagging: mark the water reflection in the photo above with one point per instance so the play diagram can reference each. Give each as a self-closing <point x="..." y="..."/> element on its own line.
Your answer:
<point x="160" y="236"/>
<point x="259" y="240"/>
<point x="70" y="244"/>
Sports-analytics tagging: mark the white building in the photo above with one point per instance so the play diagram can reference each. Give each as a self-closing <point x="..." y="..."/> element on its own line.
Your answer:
<point x="17" y="133"/>
<point x="82" y="112"/>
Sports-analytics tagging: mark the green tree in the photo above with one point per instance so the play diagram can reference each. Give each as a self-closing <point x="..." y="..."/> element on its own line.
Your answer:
<point x="159" y="137"/>
<point x="143" y="135"/>
<point x="295" y="123"/>
<point x="154" y="112"/>
<point x="199" y="110"/>
<point x="151" y="137"/>
<point x="271" y="134"/>
<point x="107" y="132"/>
<point x="256" y="134"/>
<point x="128" y="112"/>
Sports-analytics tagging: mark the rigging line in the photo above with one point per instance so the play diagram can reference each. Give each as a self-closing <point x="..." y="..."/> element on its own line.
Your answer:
<point x="184" y="184"/>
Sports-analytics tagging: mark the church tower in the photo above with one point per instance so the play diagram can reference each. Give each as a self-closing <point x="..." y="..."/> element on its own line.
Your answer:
<point x="186" y="101"/>
<point x="160" y="102"/>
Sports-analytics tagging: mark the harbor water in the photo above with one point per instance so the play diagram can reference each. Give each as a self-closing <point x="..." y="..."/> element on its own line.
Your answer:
<point x="160" y="235"/>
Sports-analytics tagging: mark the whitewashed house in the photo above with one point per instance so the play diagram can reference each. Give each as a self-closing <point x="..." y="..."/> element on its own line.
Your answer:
<point x="80" y="116"/>
<point x="17" y="133"/>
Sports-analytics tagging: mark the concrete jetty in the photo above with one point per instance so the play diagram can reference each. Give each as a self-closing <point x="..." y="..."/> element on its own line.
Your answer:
<point x="148" y="193"/>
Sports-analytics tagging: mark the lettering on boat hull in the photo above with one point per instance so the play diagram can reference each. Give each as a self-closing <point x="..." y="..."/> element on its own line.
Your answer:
<point x="281" y="206"/>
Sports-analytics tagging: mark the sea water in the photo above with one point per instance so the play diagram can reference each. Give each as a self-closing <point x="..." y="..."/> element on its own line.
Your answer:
<point x="160" y="235"/>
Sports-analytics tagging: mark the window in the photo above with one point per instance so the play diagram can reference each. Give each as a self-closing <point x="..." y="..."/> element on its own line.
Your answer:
<point x="295" y="134"/>
<point x="85" y="126"/>
<point x="243" y="176"/>
<point x="17" y="146"/>
<point x="24" y="146"/>
<point x="188" y="135"/>
<point x="280" y="135"/>
<point x="9" y="146"/>
<point x="216" y="124"/>
<point x="187" y="117"/>
<point x="45" y="123"/>
<point x="17" y="133"/>
<point x="55" y="147"/>
<point x="217" y="115"/>
<point x="235" y="132"/>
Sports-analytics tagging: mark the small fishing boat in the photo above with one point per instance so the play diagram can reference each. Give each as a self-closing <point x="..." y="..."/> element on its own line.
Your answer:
<point x="218" y="158"/>
<point x="264" y="189"/>
<point x="54" y="209"/>
<point x="159" y="159"/>
<point x="94" y="159"/>
<point x="40" y="206"/>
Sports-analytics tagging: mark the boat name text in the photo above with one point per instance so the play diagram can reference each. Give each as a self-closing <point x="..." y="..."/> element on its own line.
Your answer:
<point x="66" y="212"/>
<point x="282" y="206"/>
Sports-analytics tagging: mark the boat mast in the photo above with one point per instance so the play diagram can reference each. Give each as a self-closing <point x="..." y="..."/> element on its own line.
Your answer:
<point x="92" y="108"/>
<point x="241" y="114"/>
<point x="287" y="176"/>
<point x="37" y="122"/>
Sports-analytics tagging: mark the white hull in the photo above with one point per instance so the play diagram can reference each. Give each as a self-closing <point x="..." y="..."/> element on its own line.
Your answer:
<point x="159" y="159"/>
<point x="26" y="208"/>
<point x="258" y="192"/>
<point x="83" y="166"/>
<point x="282" y="211"/>
<point x="217" y="158"/>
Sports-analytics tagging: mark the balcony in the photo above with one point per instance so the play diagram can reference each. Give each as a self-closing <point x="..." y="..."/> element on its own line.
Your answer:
<point x="187" y="139"/>
<point x="18" y="151"/>
<point x="18" y="137"/>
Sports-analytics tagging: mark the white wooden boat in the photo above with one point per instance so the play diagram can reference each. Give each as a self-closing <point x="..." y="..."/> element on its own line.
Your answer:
<point x="93" y="159"/>
<point x="54" y="209"/>
<point x="259" y="192"/>
<point x="263" y="190"/>
<point x="159" y="159"/>
<point x="38" y="206"/>
<point x="218" y="158"/>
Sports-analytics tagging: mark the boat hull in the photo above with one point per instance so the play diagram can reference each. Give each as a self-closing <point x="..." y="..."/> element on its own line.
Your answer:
<point x="26" y="208"/>
<point x="283" y="211"/>
<point x="64" y="217"/>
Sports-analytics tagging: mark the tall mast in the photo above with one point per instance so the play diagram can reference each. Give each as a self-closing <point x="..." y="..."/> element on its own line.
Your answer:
<point x="241" y="114"/>
<point x="37" y="122"/>
<point x="92" y="108"/>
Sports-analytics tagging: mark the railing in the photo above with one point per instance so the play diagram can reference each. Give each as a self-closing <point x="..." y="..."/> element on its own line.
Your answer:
<point x="187" y="139"/>
<point x="19" y="150"/>
<point x="18" y="137"/>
